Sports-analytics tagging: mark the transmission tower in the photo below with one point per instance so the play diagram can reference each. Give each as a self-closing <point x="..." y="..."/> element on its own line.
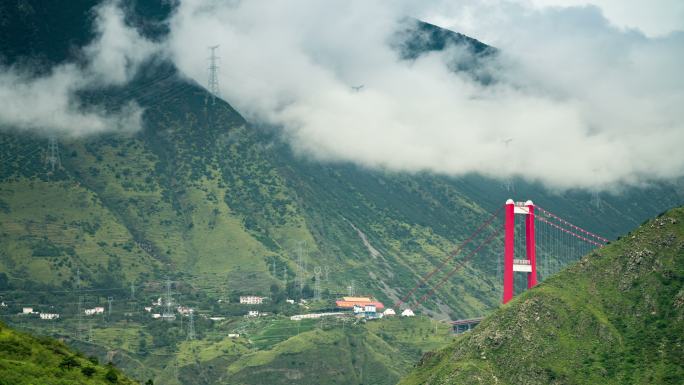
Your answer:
<point x="350" y="289"/>
<point x="317" y="283"/>
<point x="508" y="184"/>
<point x="52" y="158"/>
<point x="80" y="303"/>
<point x="327" y="272"/>
<point x="596" y="199"/>
<point x="132" y="290"/>
<point x="168" y="313"/>
<point x="213" y="84"/>
<point x="191" y="325"/>
<point x="109" y="309"/>
<point x="300" y="267"/>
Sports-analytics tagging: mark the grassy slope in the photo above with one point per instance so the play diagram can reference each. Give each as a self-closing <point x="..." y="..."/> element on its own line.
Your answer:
<point x="616" y="317"/>
<point x="378" y="352"/>
<point x="278" y="351"/>
<point x="26" y="360"/>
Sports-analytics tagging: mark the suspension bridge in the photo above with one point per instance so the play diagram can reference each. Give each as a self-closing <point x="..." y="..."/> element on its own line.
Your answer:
<point x="532" y="244"/>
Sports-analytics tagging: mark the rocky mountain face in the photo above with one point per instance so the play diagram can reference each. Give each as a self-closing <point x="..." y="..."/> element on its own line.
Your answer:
<point x="616" y="317"/>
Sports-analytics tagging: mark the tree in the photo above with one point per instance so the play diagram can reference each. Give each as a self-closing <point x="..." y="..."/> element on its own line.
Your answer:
<point x="88" y="371"/>
<point x="142" y="345"/>
<point x="111" y="376"/>
<point x="69" y="362"/>
<point x="277" y="295"/>
<point x="307" y="291"/>
<point x="4" y="282"/>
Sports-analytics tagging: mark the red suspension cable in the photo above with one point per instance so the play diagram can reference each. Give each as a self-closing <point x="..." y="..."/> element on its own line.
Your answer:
<point x="450" y="257"/>
<point x="457" y="268"/>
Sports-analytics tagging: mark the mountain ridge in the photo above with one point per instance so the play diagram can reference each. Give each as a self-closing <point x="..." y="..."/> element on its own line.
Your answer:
<point x="616" y="316"/>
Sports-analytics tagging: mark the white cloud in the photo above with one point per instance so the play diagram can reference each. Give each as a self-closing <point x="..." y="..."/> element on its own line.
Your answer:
<point x="47" y="104"/>
<point x="586" y="103"/>
<point x="653" y="17"/>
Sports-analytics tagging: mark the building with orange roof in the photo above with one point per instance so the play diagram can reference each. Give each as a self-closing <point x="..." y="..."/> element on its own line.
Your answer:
<point x="350" y="302"/>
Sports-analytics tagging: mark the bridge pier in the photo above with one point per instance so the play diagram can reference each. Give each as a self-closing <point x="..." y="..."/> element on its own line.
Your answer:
<point x="511" y="264"/>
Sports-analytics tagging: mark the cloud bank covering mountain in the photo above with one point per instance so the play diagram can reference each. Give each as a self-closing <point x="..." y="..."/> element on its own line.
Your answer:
<point x="587" y="104"/>
<point x="47" y="102"/>
<point x="579" y="98"/>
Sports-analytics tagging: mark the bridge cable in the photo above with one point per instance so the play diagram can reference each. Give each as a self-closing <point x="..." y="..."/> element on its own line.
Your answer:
<point x="451" y="256"/>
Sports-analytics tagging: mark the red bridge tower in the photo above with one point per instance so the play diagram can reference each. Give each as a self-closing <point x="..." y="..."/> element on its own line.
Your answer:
<point x="512" y="265"/>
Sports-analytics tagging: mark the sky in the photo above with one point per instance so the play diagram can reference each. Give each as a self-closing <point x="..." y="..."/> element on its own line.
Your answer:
<point x="586" y="94"/>
<point x="652" y="17"/>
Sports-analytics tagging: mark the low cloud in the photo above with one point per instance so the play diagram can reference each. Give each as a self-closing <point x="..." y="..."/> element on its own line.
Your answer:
<point x="47" y="103"/>
<point x="577" y="101"/>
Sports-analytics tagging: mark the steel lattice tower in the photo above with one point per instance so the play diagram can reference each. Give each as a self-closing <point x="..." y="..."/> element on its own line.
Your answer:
<point x="317" y="283"/>
<point x="213" y="83"/>
<point x="52" y="157"/>
<point x="168" y="312"/>
<point x="80" y="303"/>
<point x="191" y="325"/>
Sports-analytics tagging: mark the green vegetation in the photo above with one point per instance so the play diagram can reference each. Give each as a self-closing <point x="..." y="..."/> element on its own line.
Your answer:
<point x="223" y="208"/>
<point x="26" y="360"/>
<point x="616" y="317"/>
<point x="342" y="352"/>
<point x="200" y="195"/>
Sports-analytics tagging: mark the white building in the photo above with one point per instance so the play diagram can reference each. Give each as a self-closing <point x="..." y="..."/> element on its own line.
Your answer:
<point x="148" y="309"/>
<point x="253" y="313"/>
<point x="300" y="317"/>
<point x="233" y="335"/>
<point x="49" y="316"/>
<point x="251" y="300"/>
<point x="95" y="310"/>
<point x="27" y="310"/>
<point x="407" y="313"/>
<point x="291" y="301"/>
<point x="389" y="311"/>
<point x="156" y="315"/>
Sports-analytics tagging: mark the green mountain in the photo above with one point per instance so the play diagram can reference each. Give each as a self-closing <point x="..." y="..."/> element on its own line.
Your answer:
<point x="204" y="197"/>
<point x="26" y="360"/>
<point x="616" y="317"/>
<point x="222" y="207"/>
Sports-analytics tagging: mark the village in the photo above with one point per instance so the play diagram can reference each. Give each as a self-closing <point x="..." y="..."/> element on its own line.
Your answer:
<point x="364" y="308"/>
